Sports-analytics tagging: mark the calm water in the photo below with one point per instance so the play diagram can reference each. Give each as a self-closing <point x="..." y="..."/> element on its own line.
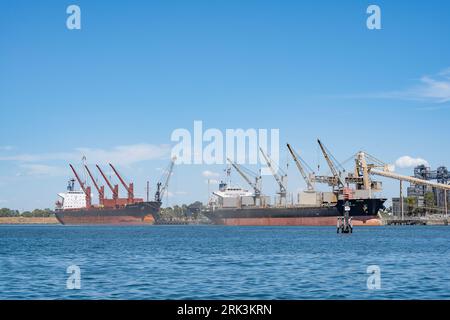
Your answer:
<point x="213" y="262"/>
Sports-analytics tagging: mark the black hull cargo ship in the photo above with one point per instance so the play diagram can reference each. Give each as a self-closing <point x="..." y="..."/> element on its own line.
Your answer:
<point x="362" y="211"/>
<point x="351" y="196"/>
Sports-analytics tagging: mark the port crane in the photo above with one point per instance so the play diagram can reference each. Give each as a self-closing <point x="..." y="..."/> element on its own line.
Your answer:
<point x="280" y="180"/>
<point x="297" y="159"/>
<point x="385" y="172"/>
<point x="361" y="176"/>
<point x="86" y="189"/>
<point x="162" y="188"/>
<point x="100" y="190"/>
<point x="255" y="185"/>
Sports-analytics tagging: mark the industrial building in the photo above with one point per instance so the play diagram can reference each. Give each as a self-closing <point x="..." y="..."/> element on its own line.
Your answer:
<point x="421" y="198"/>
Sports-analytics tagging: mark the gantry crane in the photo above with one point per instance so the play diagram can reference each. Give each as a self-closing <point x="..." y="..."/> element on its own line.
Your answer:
<point x="309" y="183"/>
<point x="255" y="185"/>
<point x="162" y="188"/>
<point x="280" y="180"/>
<point x="86" y="189"/>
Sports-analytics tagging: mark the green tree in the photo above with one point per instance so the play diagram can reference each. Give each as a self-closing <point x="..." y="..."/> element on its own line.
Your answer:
<point x="27" y="214"/>
<point x="195" y="209"/>
<point x="429" y="200"/>
<point x="5" y="212"/>
<point x="411" y="205"/>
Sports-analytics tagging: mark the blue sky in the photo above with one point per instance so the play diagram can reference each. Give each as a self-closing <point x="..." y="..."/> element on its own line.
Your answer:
<point x="116" y="89"/>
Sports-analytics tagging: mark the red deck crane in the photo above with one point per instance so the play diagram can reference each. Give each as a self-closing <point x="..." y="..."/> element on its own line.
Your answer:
<point x="100" y="190"/>
<point x="86" y="189"/>
<point x="115" y="189"/>
<point x="129" y="188"/>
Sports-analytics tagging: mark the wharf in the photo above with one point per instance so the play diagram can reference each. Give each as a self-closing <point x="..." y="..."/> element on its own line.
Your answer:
<point x="415" y="222"/>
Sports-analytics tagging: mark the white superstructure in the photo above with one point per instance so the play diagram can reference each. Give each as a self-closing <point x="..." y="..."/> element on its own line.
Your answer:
<point x="232" y="197"/>
<point x="233" y="193"/>
<point x="75" y="199"/>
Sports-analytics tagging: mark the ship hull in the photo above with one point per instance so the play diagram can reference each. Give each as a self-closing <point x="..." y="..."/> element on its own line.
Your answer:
<point x="364" y="212"/>
<point x="135" y="214"/>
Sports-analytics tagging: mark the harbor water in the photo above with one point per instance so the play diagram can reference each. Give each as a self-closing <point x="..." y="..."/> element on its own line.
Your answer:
<point x="218" y="262"/>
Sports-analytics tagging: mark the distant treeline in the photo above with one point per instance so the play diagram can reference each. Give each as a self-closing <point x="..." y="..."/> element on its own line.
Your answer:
<point x="5" y="212"/>
<point x="191" y="210"/>
<point x="184" y="210"/>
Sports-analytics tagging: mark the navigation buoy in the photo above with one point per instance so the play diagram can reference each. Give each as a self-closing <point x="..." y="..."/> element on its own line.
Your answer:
<point x="345" y="224"/>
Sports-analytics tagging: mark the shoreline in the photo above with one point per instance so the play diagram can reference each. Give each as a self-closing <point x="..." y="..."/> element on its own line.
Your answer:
<point x="28" y="220"/>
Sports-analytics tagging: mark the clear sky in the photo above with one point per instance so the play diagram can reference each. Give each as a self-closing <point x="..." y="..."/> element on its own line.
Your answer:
<point x="137" y="70"/>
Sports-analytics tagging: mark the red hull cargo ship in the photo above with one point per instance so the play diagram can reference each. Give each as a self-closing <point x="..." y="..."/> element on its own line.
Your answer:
<point x="134" y="214"/>
<point x="74" y="207"/>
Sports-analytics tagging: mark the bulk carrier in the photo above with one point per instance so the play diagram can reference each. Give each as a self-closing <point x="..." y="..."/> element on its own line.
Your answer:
<point x="74" y="207"/>
<point x="362" y="212"/>
<point x="237" y="206"/>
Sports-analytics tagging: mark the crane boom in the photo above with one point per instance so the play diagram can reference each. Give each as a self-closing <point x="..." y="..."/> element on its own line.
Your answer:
<point x="113" y="189"/>
<point x="93" y="180"/>
<point x="331" y="165"/>
<point x="120" y="178"/>
<point x="275" y="175"/>
<point x="100" y="190"/>
<point x="300" y="168"/>
<point x="86" y="190"/>
<point x="129" y="188"/>
<point x="82" y="185"/>
<point x="254" y="185"/>
<point x="162" y="188"/>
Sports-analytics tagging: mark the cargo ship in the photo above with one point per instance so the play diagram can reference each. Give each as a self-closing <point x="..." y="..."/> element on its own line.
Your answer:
<point x="71" y="210"/>
<point x="362" y="212"/>
<point x="74" y="207"/>
<point x="236" y="206"/>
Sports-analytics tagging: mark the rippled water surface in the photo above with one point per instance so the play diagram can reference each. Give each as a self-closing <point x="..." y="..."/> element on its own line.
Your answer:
<point x="215" y="262"/>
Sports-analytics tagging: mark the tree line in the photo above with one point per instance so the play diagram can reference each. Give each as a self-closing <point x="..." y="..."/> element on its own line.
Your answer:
<point x="5" y="212"/>
<point x="177" y="211"/>
<point x="183" y="211"/>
